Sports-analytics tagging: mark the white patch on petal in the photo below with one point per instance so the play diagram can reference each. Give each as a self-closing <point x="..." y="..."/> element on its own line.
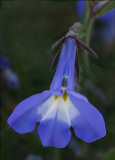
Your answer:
<point x="47" y="107"/>
<point x="62" y="109"/>
<point x="72" y="111"/>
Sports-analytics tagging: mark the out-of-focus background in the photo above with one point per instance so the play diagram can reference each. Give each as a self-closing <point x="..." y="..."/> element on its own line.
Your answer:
<point x="29" y="28"/>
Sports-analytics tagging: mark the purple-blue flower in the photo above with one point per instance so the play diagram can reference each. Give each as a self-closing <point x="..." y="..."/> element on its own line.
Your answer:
<point x="60" y="108"/>
<point x="80" y="6"/>
<point x="4" y="63"/>
<point x="11" y="79"/>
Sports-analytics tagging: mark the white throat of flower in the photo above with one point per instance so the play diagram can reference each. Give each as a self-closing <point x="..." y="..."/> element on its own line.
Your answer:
<point x="59" y="107"/>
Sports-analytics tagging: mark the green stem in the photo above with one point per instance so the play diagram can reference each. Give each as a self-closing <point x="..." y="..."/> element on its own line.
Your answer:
<point x="88" y="29"/>
<point x="86" y="40"/>
<point x="87" y="21"/>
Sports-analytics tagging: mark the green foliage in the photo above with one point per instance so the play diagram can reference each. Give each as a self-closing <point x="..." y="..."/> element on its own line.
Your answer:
<point x="110" y="155"/>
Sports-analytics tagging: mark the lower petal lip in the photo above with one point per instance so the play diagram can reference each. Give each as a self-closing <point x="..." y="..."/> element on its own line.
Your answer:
<point x="24" y="117"/>
<point x="89" y="125"/>
<point x="56" y="115"/>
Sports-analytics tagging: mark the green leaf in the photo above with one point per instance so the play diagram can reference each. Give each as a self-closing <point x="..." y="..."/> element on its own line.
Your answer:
<point x="102" y="10"/>
<point x="110" y="155"/>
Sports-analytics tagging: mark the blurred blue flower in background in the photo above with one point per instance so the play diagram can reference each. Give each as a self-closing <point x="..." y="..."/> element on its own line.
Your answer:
<point x="60" y="108"/>
<point x="33" y="157"/>
<point x="10" y="78"/>
<point x="4" y="63"/>
<point x="80" y="6"/>
<point x="108" y="30"/>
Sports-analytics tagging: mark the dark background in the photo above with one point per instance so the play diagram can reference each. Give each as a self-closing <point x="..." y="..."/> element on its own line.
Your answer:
<point x="28" y="31"/>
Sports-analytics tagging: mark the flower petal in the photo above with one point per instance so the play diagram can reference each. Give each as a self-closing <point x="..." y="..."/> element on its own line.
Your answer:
<point x="80" y="5"/>
<point x="25" y="115"/>
<point x="65" y="67"/>
<point x="89" y="124"/>
<point x="58" y="77"/>
<point x="72" y="52"/>
<point x="54" y="128"/>
<point x="79" y="95"/>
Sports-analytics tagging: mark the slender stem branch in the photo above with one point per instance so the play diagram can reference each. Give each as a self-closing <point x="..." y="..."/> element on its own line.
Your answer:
<point x="87" y="41"/>
<point x="88" y="22"/>
<point x="102" y="7"/>
<point x="87" y="35"/>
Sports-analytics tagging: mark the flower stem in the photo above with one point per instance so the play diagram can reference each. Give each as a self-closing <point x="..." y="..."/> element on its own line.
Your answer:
<point x="86" y="40"/>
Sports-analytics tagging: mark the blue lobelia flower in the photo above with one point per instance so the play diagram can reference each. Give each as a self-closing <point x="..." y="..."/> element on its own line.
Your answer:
<point x="80" y="6"/>
<point x="10" y="78"/>
<point x="60" y="108"/>
<point x="4" y="63"/>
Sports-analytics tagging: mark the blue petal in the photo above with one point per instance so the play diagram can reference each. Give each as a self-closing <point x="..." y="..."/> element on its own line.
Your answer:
<point x="72" y="52"/>
<point x="54" y="128"/>
<point x="24" y="117"/>
<point x="54" y="133"/>
<point x="79" y="95"/>
<point x="89" y="125"/>
<point x="65" y="66"/>
<point x="58" y="77"/>
<point x="80" y="7"/>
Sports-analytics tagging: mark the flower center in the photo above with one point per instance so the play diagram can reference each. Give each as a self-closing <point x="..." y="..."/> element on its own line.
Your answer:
<point x="56" y="97"/>
<point x="65" y="96"/>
